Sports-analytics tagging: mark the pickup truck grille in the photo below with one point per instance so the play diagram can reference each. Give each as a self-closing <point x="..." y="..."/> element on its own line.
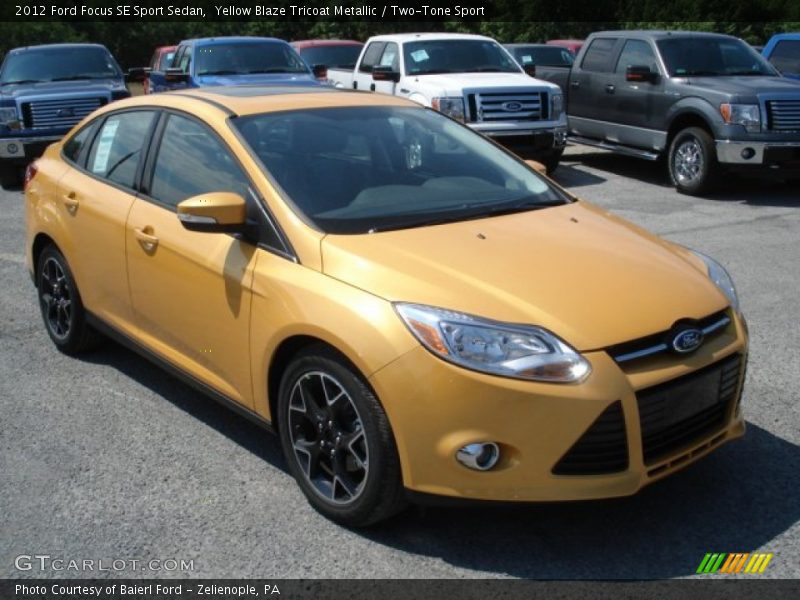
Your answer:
<point x="507" y="106"/>
<point x="783" y="115"/>
<point x="58" y="113"/>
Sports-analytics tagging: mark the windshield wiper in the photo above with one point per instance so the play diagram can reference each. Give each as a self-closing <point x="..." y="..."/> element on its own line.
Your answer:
<point x="488" y="70"/>
<point x="21" y="81"/>
<point x="221" y="72"/>
<point x="699" y="73"/>
<point x="746" y="73"/>
<point x="432" y="72"/>
<point x="273" y="70"/>
<point x="77" y="77"/>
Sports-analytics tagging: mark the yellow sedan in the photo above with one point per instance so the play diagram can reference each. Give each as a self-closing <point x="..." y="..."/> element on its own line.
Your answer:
<point x="418" y="313"/>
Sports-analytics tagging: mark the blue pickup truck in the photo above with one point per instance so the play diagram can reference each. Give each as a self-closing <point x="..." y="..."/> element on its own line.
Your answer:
<point x="232" y="61"/>
<point x="783" y="51"/>
<point x="44" y="91"/>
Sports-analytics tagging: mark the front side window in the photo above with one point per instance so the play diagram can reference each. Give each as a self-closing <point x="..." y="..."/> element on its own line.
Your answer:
<point x="711" y="57"/>
<point x="456" y="56"/>
<point x="118" y="146"/>
<point x="637" y="53"/>
<point x="338" y="57"/>
<point x="371" y="56"/>
<point x="361" y="169"/>
<point x="59" y="64"/>
<point x="598" y="55"/>
<point x="192" y="161"/>
<point x="247" y="58"/>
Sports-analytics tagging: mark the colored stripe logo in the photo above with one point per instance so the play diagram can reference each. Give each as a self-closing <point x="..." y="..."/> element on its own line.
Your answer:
<point x="737" y="562"/>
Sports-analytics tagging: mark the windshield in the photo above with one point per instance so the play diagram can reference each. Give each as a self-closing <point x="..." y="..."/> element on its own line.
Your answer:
<point x="545" y="56"/>
<point x="685" y="57"/>
<point x="247" y="58"/>
<point x="456" y="56"/>
<point x="59" y="64"/>
<point x="341" y="57"/>
<point x="366" y="169"/>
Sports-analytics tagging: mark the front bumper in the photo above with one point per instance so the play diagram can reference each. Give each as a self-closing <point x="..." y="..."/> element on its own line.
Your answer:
<point x="435" y="408"/>
<point x="22" y="150"/>
<point x="763" y="154"/>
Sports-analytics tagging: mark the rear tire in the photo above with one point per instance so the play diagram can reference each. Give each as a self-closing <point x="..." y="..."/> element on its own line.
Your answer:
<point x="551" y="161"/>
<point x="692" y="162"/>
<point x="9" y="177"/>
<point x="337" y="440"/>
<point x="61" y="305"/>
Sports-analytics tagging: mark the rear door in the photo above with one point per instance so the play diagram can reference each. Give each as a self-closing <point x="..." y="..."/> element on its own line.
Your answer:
<point x="591" y="88"/>
<point x="190" y="291"/>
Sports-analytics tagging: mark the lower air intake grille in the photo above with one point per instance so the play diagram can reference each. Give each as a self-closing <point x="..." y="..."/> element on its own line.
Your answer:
<point x="681" y="411"/>
<point x="602" y="449"/>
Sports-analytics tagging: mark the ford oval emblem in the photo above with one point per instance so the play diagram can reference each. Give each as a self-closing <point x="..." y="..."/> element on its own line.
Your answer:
<point x="687" y="341"/>
<point x="65" y="112"/>
<point x="512" y="106"/>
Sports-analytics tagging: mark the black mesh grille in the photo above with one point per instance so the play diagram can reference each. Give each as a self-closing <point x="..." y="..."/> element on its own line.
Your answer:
<point x="602" y="449"/>
<point x="686" y="409"/>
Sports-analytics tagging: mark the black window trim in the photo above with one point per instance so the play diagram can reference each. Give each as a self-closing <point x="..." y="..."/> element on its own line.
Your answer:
<point x="148" y="170"/>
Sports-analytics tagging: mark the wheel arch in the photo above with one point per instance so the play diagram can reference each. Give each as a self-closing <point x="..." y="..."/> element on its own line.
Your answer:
<point x="40" y="242"/>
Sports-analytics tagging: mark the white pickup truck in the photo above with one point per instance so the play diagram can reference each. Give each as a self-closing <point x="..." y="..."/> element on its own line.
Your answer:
<point x="471" y="78"/>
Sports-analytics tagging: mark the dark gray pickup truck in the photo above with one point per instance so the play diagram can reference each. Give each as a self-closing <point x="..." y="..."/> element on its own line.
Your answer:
<point x="707" y="102"/>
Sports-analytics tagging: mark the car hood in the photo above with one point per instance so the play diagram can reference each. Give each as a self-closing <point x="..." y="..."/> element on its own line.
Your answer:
<point x="459" y="81"/>
<point x="746" y="85"/>
<point x="84" y="87"/>
<point x="592" y="278"/>
<point x="257" y="78"/>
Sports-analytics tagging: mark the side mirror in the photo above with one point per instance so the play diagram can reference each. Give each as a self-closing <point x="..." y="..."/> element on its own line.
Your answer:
<point x="640" y="73"/>
<point x="385" y="74"/>
<point x="320" y="71"/>
<point x="537" y="166"/>
<point x="137" y="73"/>
<point x="175" y="75"/>
<point x="530" y="69"/>
<point x="217" y="212"/>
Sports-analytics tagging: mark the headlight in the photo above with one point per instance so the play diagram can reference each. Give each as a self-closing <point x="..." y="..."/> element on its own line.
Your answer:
<point x="452" y="107"/>
<point x="556" y="106"/>
<point x="747" y="115"/>
<point x="721" y="278"/>
<point x="8" y="115"/>
<point x="519" y="351"/>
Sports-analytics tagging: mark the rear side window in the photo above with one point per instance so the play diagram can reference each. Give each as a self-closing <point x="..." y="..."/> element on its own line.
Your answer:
<point x="192" y="161"/>
<point x="117" y="148"/>
<point x="786" y="56"/>
<point x="371" y="56"/>
<point x="598" y="55"/>
<point x="73" y="146"/>
<point x="637" y="53"/>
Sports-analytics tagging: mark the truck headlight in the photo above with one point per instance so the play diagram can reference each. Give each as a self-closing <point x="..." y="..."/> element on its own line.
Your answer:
<point x="506" y="349"/>
<point x="556" y="106"/>
<point x="747" y="115"/>
<point x="721" y="278"/>
<point x="452" y="107"/>
<point x="8" y="115"/>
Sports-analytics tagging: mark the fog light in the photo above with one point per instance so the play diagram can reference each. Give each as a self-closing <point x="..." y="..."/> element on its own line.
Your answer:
<point x="748" y="153"/>
<point x="480" y="456"/>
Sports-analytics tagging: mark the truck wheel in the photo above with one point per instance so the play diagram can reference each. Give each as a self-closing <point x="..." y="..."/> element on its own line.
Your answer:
<point x="337" y="440"/>
<point x="9" y="177"/>
<point x="551" y="161"/>
<point x="692" y="162"/>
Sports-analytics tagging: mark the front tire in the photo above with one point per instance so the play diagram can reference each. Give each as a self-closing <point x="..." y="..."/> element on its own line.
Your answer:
<point x="61" y="306"/>
<point x="692" y="162"/>
<point x="337" y="440"/>
<point x="551" y="161"/>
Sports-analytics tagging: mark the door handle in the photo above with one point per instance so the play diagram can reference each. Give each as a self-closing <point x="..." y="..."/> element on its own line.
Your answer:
<point x="372" y="88"/>
<point x="71" y="202"/>
<point x="575" y="84"/>
<point x="146" y="240"/>
<point x="610" y="88"/>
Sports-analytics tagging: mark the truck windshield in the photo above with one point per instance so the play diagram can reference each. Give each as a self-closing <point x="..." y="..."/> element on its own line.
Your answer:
<point x="456" y="56"/>
<point x="364" y="169"/>
<point x="339" y="57"/>
<point x="247" y="58"/>
<point x="711" y="57"/>
<point x="58" y="63"/>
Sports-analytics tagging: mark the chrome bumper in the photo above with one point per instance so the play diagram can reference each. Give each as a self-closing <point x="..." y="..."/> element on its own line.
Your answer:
<point x="734" y="152"/>
<point x="15" y="147"/>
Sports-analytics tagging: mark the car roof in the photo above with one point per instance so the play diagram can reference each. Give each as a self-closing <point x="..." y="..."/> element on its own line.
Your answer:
<point x="312" y="43"/>
<point x="241" y="39"/>
<point x="526" y="45"/>
<point x="657" y="34"/>
<point x="421" y="37"/>
<point x="56" y="47"/>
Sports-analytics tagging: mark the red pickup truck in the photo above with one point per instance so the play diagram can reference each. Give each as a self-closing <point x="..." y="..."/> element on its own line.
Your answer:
<point x="321" y="54"/>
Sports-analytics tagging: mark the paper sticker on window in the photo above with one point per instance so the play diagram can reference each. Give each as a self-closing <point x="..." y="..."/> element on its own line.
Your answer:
<point x="100" y="163"/>
<point x="420" y="55"/>
<point x="527" y="59"/>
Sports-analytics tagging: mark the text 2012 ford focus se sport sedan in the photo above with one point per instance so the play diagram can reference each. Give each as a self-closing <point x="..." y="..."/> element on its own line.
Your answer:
<point x="415" y="310"/>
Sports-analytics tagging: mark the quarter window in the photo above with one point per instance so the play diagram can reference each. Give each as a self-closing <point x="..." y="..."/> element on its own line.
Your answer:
<point x="73" y="146"/>
<point x="598" y="56"/>
<point x="192" y="161"/>
<point x="637" y="53"/>
<point x="118" y="146"/>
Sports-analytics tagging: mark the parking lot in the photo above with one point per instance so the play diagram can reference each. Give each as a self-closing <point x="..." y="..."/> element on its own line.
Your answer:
<point x="110" y="458"/>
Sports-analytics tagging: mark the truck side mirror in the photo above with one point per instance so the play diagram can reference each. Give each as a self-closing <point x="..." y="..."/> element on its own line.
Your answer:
<point x="320" y="71"/>
<point x="137" y="73"/>
<point x="640" y="73"/>
<point x="385" y="74"/>
<point x="529" y="69"/>
<point x="175" y="75"/>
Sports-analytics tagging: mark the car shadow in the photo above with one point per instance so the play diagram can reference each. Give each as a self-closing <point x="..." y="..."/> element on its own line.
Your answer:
<point x="570" y="177"/>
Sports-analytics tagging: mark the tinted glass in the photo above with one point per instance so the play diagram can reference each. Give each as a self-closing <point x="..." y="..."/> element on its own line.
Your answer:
<point x="545" y="56"/>
<point x="338" y="57"/>
<point x="391" y="57"/>
<point x="598" y="55"/>
<point x="73" y="146"/>
<point x="166" y="60"/>
<point x="637" y="53"/>
<point x="360" y="169"/>
<point x="192" y="161"/>
<point x="59" y="64"/>
<point x="371" y="56"/>
<point x="709" y="57"/>
<point x="243" y="58"/>
<point x="118" y="146"/>
<point x="786" y="56"/>
<point x="457" y="56"/>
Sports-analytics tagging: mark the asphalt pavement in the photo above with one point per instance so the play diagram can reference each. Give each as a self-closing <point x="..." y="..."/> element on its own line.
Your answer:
<point x="109" y="458"/>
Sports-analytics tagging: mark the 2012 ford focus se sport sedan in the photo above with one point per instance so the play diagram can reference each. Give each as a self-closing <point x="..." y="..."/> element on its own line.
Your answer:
<point x="417" y="312"/>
